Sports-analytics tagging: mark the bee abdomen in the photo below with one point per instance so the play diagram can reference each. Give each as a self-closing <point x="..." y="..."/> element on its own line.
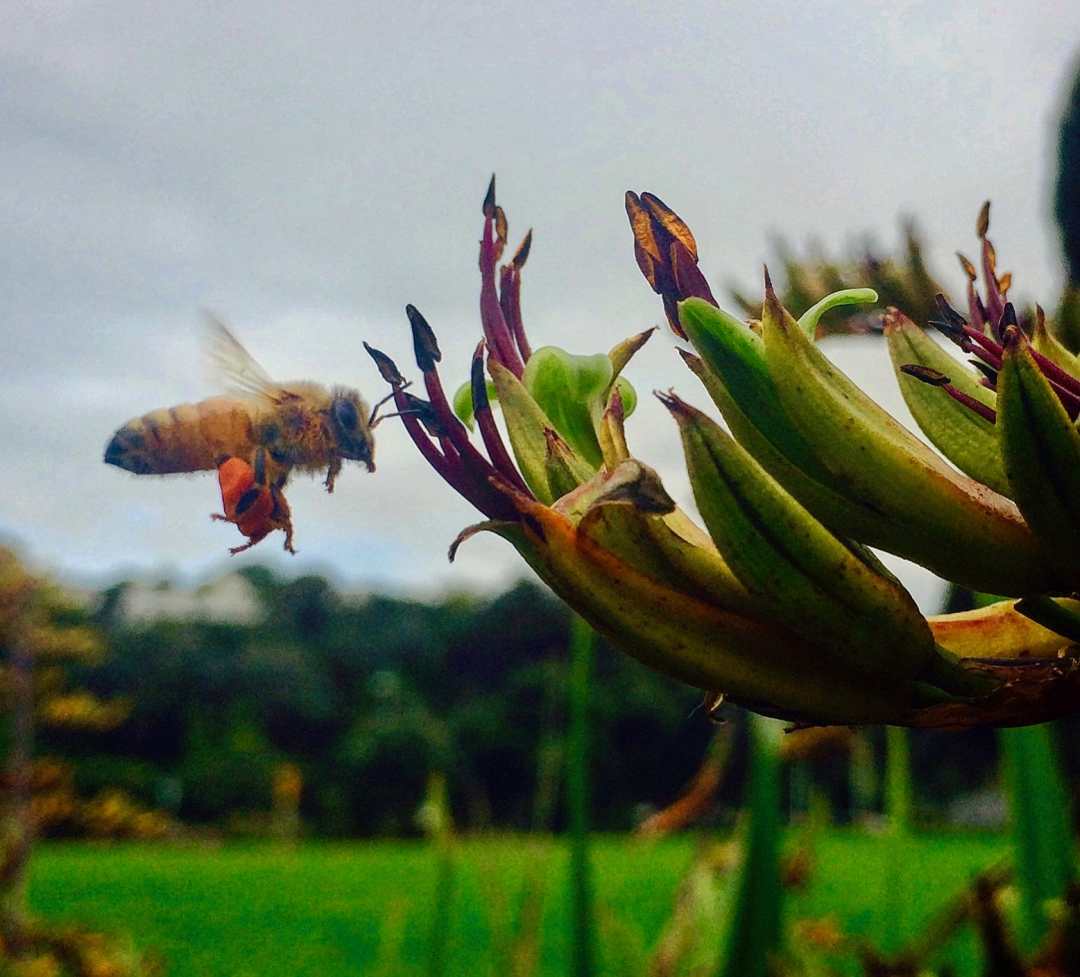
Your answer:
<point x="185" y="438"/>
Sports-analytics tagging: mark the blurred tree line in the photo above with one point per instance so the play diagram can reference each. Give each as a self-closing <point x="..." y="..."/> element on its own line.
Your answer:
<point x="336" y="711"/>
<point x="366" y="698"/>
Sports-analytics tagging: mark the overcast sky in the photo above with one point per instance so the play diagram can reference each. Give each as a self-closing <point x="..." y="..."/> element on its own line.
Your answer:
<point x="305" y="170"/>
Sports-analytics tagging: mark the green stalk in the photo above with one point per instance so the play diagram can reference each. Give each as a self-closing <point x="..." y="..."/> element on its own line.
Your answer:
<point x="753" y="928"/>
<point x="440" y="829"/>
<point x="582" y="951"/>
<point x="862" y="776"/>
<point x="1039" y="811"/>
<point x="898" y="812"/>
<point x="898" y="786"/>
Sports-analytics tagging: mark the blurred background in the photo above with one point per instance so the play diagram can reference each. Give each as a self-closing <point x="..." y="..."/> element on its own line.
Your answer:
<point x="304" y="171"/>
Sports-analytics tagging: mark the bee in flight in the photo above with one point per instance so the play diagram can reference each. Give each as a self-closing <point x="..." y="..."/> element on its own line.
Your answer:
<point x="253" y="437"/>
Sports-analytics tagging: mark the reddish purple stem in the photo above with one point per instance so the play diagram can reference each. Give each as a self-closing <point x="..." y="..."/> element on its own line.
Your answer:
<point x="496" y="331"/>
<point x="489" y="431"/>
<point x="510" y="303"/>
<point x="985" y="412"/>
<point x="475" y="468"/>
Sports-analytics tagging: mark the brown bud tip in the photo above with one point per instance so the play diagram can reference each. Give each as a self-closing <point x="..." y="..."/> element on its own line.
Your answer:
<point x="522" y="253"/>
<point x="982" y="225"/>
<point x="387" y="367"/>
<point x="671" y="222"/>
<point x="1040" y="317"/>
<point x="489" y="198"/>
<point x="425" y="346"/>
<point x="969" y="268"/>
<point x="768" y="280"/>
<point x="645" y="242"/>
<point x="1011" y="336"/>
<point x="926" y="374"/>
<point x="1005" y="283"/>
<point x="500" y="224"/>
<point x="478" y="382"/>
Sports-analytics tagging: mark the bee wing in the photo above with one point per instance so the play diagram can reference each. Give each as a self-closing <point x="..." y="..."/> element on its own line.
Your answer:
<point x="235" y="365"/>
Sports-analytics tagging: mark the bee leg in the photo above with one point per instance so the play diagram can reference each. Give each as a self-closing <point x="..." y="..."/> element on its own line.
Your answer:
<point x="259" y="466"/>
<point x="282" y="518"/>
<point x="332" y="473"/>
<point x="233" y="550"/>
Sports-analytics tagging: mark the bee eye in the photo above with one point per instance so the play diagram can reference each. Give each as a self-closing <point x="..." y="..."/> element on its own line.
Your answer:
<point x="345" y="414"/>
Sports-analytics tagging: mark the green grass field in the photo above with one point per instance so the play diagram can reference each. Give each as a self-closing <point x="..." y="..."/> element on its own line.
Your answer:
<point x="364" y="908"/>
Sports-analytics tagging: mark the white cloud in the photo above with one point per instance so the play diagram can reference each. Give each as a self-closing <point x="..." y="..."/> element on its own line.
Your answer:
<point x="305" y="171"/>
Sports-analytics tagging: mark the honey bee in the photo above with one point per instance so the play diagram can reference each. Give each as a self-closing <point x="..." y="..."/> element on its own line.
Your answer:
<point x="270" y="428"/>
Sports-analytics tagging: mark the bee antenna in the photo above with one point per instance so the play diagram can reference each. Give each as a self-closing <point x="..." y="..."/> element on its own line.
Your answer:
<point x="398" y="413"/>
<point x="375" y="418"/>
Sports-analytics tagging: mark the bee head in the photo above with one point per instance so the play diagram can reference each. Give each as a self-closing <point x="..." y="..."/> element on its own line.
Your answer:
<point x="350" y="427"/>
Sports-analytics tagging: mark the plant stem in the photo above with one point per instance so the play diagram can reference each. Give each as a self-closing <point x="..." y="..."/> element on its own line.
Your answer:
<point x="753" y="930"/>
<point x="898" y="813"/>
<point x="581" y="910"/>
<point x="1041" y="839"/>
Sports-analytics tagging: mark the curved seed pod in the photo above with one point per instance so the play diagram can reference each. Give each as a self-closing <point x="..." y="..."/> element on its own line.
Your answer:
<point x="950" y="524"/>
<point x="813" y="581"/>
<point x="754" y="662"/>
<point x="848" y="517"/>
<point x="629" y="513"/>
<point x="966" y="438"/>
<point x="1040" y="447"/>
<point x="632" y="536"/>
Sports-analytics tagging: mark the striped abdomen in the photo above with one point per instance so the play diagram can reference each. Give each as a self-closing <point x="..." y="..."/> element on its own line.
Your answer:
<point x="186" y="438"/>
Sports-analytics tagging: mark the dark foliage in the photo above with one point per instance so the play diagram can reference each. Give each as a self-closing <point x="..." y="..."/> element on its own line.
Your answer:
<point x="371" y="695"/>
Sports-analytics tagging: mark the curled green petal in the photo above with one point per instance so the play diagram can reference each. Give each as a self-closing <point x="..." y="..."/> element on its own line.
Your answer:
<point x="570" y="390"/>
<point x="809" y="320"/>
